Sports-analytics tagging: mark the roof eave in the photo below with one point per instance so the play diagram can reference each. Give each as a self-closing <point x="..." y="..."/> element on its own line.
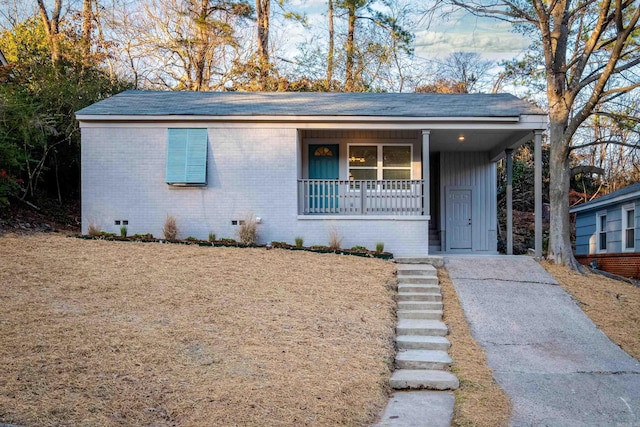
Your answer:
<point x="598" y="204"/>
<point x="292" y="118"/>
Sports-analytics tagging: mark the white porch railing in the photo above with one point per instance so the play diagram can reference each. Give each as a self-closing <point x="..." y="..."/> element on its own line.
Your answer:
<point x="384" y="197"/>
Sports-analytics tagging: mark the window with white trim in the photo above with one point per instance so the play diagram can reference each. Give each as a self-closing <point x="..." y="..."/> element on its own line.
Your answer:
<point x="380" y="161"/>
<point x="628" y="228"/>
<point x="601" y="232"/>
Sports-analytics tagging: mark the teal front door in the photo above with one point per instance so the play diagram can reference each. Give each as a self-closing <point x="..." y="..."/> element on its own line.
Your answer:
<point x="324" y="165"/>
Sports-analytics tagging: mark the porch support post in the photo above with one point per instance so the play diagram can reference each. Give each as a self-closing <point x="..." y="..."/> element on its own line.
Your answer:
<point x="537" y="155"/>
<point x="426" y="196"/>
<point x="509" y="158"/>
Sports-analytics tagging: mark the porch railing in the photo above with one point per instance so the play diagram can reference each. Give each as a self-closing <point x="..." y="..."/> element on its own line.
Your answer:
<point x="384" y="197"/>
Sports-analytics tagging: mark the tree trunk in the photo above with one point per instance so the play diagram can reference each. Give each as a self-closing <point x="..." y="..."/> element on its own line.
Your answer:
<point x="330" y="54"/>
<point x="350" y="48"/>
<point x="52" y="28"/>
<point x="263" y="10"/>
<point x="201" y="47"/>
<point x="87" y="20"/>
<point x="560" y="250"/>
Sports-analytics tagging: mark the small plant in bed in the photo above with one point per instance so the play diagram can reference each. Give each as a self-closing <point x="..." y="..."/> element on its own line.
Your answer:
<point x="212" y="237"/>
<point x="123" y="231"/>
<point x="170" y="229"/>
<point x="147" y="236"/>
<point x="299" y="241"/>
<point x="93" y="230"/>
<point x="248" y="231"/>
<point x="379" y="247"/>
<point x="359" y="248"/>
<point x="280" y="245"/>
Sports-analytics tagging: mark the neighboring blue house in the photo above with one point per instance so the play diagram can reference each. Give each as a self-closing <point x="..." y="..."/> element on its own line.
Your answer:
<point x="415" y="171"/>
<point x="608" y="231"/>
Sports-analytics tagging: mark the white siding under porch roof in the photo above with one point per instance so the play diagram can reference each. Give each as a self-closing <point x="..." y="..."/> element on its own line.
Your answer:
<point x="472" y="170"/>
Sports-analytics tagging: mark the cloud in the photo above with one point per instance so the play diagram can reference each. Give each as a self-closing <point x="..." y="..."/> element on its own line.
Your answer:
<point x="461" y="31"/>
<point x="483" y="41"/>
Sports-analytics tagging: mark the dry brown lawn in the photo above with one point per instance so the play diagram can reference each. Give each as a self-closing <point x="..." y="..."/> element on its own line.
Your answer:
<point x="613" y="305"/>
<point x="112" y="333"/>
<point x="480" y="401"/>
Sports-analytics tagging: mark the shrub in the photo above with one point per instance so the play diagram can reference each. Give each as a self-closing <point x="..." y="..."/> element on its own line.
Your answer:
<point x="358" y="248"/>
<point x="147" y="236"/>
<point x="123" y="231"/>
<point x="379" y="247"/>
<point x="212" y="237"/>
<point x="170" y="229"/>
<point x="248" y="231"/>
<point x="191" y="239"/>
<point x="335" y="238"/>
<point x="227" y="240"/>
<point x="299" y="242"/>
<point x="93" y="230"/>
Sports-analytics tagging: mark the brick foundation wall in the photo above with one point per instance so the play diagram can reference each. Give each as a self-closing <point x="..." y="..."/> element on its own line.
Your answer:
<point x="622" y="264"/>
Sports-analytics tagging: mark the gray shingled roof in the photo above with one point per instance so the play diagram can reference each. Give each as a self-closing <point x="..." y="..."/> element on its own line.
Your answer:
<point x="630" y="191"/>
<point x="153" y="103"/>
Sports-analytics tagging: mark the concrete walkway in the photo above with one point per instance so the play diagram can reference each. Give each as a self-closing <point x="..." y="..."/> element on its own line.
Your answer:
<point x="552" y="361"/>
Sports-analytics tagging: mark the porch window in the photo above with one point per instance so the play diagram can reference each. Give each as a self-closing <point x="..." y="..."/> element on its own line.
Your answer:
<point x="601" y="231"/>
<point x="378" y="162"/>
<point x="628" y="228"/>
<point x="187" y="157"/>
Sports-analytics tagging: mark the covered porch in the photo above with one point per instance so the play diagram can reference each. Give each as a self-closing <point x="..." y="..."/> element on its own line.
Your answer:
<point x="444" y="176"/>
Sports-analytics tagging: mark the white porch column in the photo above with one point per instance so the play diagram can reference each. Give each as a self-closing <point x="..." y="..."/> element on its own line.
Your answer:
<point x="537" y="156"/>
<point x="426" y="194"/>
<point x="509" y="158"/>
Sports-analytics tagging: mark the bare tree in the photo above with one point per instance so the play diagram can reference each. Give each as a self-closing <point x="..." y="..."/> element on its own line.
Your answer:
<point x="87" y="23"/>
<point x="263" y="13"/>
<point x="331" y="46"/>
<point x="467" y="69"/>
<point x="590" y="50"/>
<point x="186" y="41"/>
<point x="52" y="27"/>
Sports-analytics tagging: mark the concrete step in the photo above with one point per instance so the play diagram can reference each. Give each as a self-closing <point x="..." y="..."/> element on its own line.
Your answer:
<point x="419" y="305"/>
<point x="419" y="296"/>
<point x="421" y="327"/>
<point x="422" y="342"/>
<point x="436" y="261"/>
<point x="422" y="359"/>
<point x="416" y="270"/>
<point x="420" y="314"/>
<point x="418" y="287"/>
<point x="418" y="280"/>
<point x="426" y="379"/>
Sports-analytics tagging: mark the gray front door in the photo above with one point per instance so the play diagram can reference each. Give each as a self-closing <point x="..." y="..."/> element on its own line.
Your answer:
<point x="459" y="225"/>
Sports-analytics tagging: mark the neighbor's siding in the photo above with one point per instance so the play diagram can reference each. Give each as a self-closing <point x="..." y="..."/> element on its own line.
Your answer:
<point x="586" y="229"/>
<point x="585" y="232"/>
<point x="248" y="171"/>
<point x="474" y="170"/>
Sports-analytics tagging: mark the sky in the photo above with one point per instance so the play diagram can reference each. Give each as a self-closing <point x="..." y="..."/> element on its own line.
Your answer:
<point x="460" y="31"/>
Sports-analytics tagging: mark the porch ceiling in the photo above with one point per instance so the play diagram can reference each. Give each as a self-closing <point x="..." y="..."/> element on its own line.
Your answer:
<point x="476" y="140"/>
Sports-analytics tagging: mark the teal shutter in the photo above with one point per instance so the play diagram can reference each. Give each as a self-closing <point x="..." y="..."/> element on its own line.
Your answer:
<point x="196" y="167"/>
<point x="187" y="157"/>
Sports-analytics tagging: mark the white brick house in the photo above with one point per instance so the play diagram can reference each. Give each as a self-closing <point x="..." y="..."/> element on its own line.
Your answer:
<point x="408" y="170"/>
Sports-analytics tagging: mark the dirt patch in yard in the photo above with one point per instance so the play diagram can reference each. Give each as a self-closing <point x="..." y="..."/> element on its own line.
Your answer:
<point x="613" y="305"/>
<point x="479" y="401"/>
<point x="110" y="333"/>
